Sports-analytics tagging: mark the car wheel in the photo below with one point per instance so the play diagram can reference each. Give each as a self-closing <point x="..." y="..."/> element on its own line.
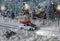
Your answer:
<point x="21" y="28"/>
<point x="31" y="29"/>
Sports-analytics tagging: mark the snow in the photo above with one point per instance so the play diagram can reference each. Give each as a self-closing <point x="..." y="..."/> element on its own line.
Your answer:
<point x="26" y="36"/>
<point x="45" y="32"/>
<point x="48" y="30"/>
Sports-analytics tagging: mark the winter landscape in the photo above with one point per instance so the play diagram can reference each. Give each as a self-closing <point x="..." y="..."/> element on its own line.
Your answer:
<point x="18" y="16"/>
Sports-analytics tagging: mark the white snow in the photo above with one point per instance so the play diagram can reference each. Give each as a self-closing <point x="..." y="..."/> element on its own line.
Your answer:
<point x="45" y="32"/>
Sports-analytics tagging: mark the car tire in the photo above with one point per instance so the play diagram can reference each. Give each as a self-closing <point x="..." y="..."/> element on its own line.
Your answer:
<point x="31" y="29"/>
<point x="21" y="28"/>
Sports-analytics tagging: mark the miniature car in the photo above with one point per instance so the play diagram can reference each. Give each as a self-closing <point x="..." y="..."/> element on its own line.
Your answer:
<point x="19" y="26"/>
<point x="29" y="28"/>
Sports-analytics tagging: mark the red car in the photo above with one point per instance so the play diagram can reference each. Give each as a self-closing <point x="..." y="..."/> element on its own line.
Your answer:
<point x="25" y="22"/>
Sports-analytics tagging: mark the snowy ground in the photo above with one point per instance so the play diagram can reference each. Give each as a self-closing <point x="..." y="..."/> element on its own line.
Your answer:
<point x="27" y="36"/>
<point x="47" y="32"/>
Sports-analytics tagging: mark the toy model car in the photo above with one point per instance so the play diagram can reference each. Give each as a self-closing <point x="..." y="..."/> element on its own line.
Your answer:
<point x="27" y="27"/>
<point x="19" y="26"/>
